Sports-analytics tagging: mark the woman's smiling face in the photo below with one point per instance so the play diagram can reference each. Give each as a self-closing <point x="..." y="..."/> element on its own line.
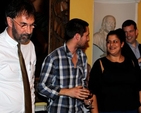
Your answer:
<point x="114" y="45"/>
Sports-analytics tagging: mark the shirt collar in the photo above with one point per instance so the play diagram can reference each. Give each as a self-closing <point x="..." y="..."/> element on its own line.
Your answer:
<point x="69" y="54"/>
<point x="137" y="44"/>
<point x="9" y="39"/>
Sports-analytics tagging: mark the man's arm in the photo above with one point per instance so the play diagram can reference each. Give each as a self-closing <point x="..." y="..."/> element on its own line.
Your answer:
<point x="76" y="92"/>
<point x="46" y="79"/>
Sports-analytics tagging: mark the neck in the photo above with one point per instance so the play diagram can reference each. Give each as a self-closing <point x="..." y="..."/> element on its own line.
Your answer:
<point x="72" y="48"/>
<point x="118" y="58"/>
<point x="134" y="44"/>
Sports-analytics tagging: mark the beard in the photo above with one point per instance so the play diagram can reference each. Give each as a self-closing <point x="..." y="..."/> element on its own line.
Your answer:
<point x="21" y="38"/>
<point x="83" y="47"/>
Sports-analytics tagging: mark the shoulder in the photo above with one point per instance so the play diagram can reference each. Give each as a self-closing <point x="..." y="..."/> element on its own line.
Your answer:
<point x="29" y="46"/>
<point x="139" y="46"/>
<point x="98" y="34"/>
<point x="129" y="60"/>
<point x="57" y="52"/>
<point x="3" y="36"/>
<point x="100" y="60"/>
<point x="103" y="59"/>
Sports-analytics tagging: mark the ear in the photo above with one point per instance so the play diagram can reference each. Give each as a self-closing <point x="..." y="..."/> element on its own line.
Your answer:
<point x="77" y="36"/>
<point x="9" y="21"/>
<point x="122" y="44"/>
<point x="137" y="31"/>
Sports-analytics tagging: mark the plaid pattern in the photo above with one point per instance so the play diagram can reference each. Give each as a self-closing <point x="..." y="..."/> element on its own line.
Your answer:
<point x="58" y="72"/>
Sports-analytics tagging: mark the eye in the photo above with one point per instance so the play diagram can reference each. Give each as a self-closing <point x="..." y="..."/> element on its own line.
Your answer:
<point x="108" y="42"/>
<point x="23" y="25"/>
<point x="33" y="25"/>
<point x="115" y="41"/>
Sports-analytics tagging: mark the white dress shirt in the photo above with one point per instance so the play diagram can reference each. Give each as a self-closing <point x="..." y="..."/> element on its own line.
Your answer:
<point x="11" y="83"/>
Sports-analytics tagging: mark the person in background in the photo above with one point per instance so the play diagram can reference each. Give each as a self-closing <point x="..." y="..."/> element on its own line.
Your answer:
<point x="132" y="49"/>
<point x="64" y="71"/>
<point x="20" y="25"/>
<point x="114" y="80"/>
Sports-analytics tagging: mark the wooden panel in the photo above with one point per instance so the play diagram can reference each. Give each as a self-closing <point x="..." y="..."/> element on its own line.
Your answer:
<point x="58" y="17"/>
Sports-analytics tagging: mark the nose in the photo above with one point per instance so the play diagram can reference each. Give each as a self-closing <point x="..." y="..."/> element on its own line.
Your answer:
<point x="127" y="34"/>
<point x="111" y="43"/>
<point x="29" y="29"/>
<point x="88" y="39"/>
<point x="112" y="25"/>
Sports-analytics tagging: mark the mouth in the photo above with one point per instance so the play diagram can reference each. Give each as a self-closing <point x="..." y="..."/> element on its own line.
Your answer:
<point x="128" y="38"/>
<point x="112" y="48"/>
<point x="24" y="39"/>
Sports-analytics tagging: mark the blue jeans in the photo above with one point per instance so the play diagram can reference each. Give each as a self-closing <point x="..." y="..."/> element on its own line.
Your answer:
<point x="133" y="111"/>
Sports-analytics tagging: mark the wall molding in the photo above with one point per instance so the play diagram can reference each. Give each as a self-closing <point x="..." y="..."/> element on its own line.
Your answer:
<point x="117" y="1"/>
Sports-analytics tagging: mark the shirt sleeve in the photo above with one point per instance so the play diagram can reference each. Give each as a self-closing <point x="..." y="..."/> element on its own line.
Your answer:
<point x="139" y="78"/>
<point x="47" y="77"/>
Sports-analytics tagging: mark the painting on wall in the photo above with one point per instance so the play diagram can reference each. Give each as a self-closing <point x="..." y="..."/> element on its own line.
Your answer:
<point x="51" y="18"/>
<point x="58" y="17"/>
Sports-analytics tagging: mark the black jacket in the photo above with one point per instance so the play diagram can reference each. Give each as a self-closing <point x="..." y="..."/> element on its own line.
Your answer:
<point x="127" y="52"/>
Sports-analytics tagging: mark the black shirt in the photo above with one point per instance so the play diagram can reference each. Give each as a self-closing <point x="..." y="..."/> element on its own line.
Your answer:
<point x="117" y="88"/>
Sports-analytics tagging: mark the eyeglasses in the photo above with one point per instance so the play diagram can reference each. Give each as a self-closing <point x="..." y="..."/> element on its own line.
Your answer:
<point x="24" y="25"/>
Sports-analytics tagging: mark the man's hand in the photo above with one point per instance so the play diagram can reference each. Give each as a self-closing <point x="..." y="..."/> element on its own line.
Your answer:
<point x="140" y="109"/>
<point x="76" y="92"/>
<point x="139" y="60"/>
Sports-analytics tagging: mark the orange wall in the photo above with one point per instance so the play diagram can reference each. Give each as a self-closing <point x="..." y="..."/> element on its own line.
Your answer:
<point x="84" y="9"/>
<point x="139" y="21"/>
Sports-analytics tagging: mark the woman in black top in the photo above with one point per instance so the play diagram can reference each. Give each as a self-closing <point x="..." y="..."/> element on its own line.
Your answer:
<point x="114" y="80"/>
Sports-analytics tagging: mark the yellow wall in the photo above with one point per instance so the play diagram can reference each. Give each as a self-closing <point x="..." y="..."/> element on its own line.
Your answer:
<point x="139" y="21"/>
<point x="84" y="9"/>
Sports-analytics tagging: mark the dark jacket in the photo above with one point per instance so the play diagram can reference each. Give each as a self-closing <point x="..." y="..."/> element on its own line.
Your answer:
<point x="127" y="52"/>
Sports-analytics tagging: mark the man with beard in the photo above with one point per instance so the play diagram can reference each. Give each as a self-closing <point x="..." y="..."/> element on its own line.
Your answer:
<point x="64" y="71"/>
<point x="20" y="25"/>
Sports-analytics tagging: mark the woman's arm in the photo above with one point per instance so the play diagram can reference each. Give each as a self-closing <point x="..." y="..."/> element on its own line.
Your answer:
<point x="93" y="84"/>
<point x="140" y="101"/>
<point x="94" y="104"/>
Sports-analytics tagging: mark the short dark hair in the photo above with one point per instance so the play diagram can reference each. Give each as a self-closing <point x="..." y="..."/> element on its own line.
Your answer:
<point x="18" y="7"/>
<point x="75" y="26"/>
<point x="128" y="23"/>
<point x="119" y="33"/>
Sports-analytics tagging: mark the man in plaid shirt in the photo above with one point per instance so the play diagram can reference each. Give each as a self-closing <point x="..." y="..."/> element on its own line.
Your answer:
<point x="64" y="71"/>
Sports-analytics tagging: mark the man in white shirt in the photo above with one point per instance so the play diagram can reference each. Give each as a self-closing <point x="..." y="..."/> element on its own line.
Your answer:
<point x="20" y="23"/>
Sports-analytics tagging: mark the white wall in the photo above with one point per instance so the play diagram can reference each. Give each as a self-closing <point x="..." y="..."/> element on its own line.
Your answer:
<point x="120" y="11"/>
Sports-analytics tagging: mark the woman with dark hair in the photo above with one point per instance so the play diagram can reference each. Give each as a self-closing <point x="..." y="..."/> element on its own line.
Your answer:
<point x="114" y="80"/>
